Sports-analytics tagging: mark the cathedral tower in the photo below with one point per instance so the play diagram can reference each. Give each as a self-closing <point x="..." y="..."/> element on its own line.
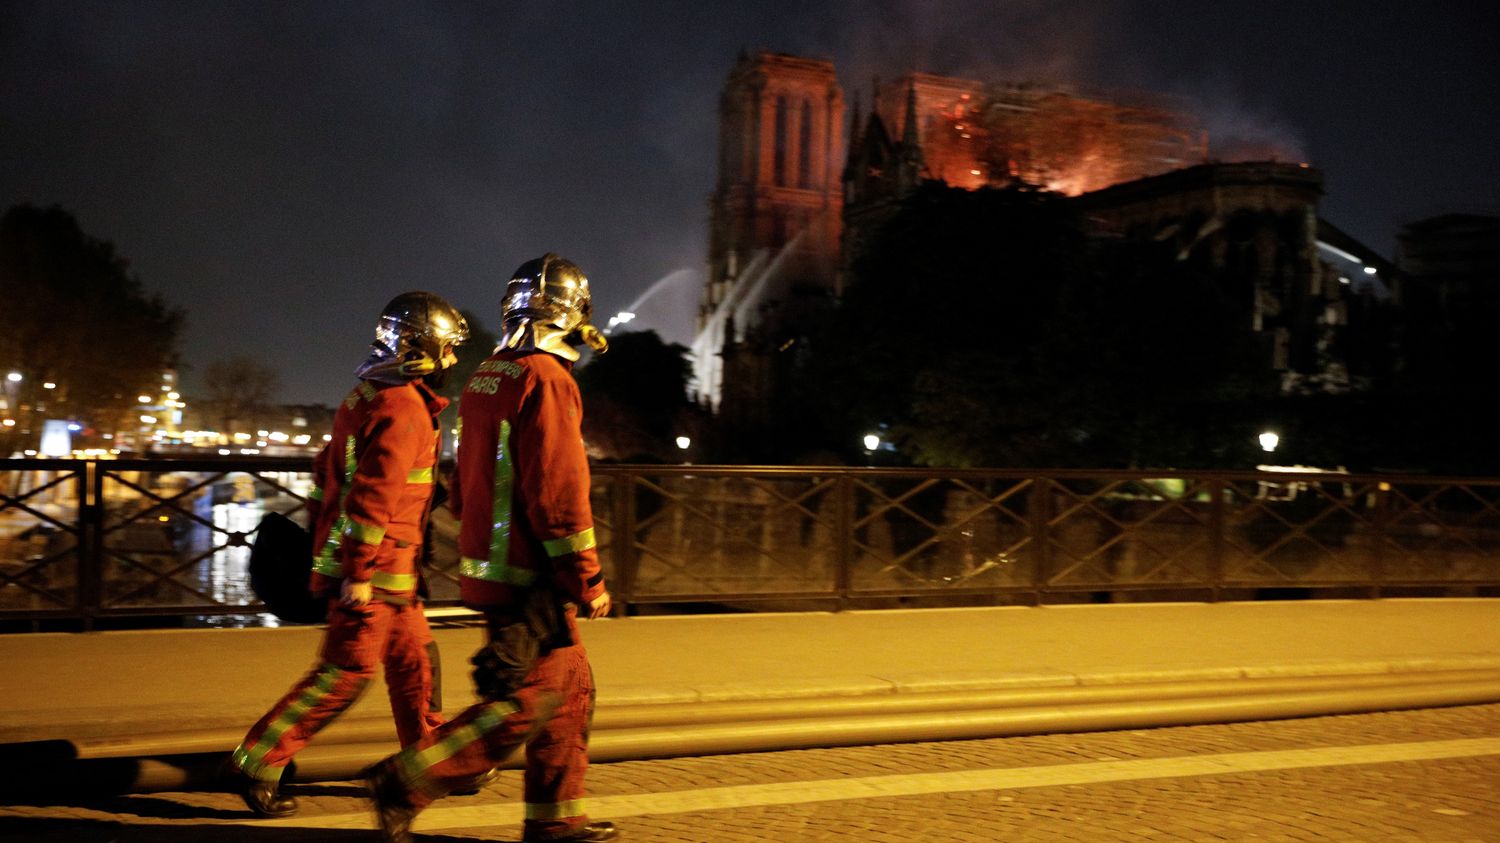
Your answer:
<point x="780" y="156"/>
<point x="774" y="219"/>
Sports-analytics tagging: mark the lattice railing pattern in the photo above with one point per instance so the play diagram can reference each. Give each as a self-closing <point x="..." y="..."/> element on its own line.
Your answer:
<point x="98" y="538"/>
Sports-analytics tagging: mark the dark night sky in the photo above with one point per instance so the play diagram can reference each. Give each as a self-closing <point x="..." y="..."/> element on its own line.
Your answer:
<point x="281" y="169"/>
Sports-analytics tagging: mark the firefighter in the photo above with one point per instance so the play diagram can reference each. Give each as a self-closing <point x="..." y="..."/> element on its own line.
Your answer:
<point x="526" y="538"/>
<point x="373" y="490"/>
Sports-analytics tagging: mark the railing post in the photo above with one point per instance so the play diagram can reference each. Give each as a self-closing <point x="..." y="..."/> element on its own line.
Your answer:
<point x="1218" y="489"/>
<point x="1041" y="514"/>
<point x="90" y="542"/>
<point x="1380" y="518"/>
<point x="843" y="573"/>
<point x="622" y="514"/>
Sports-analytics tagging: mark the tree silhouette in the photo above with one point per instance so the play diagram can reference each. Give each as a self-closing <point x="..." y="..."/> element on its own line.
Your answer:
<point x="74" y="315"/>
<point x="238" y="390"/>
<point x="635" y="398"/>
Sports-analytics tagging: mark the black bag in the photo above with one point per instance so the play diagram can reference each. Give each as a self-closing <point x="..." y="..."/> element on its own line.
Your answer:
<point x="515" y="643"/>
<point x="280" y="568"/>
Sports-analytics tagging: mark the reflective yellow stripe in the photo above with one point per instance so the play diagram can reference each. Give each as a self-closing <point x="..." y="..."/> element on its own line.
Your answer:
<point x="414" y="764"/>
<point x="327" y="562"/>
<point x="366" y="390"/>
<point x="570" y="544"/>
<point x="250" y="759"/>
<point x="328" y="566"/>
<point x="484" y="569"/>
<point x="419" y="475"/>
<point x="394" y="582"/>
<point x="364" y="532"/>
<point x="554" y="810"/>
<point x="497" y="568"/>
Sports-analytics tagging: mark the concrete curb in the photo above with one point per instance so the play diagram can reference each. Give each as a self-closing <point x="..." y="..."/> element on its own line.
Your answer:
<point x="189" y="761"/>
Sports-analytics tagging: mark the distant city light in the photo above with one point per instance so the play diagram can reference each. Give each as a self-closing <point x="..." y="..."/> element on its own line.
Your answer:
<point x="1269" y="441"/>
<point x="49" y="385"/>
<point x="1370" y="270"/>
<point x="871" y="441"/>
<point x="8" y="422"/>
<point x="174" y="396"/>
<point x="683" y="443"/>
<point x="75" y="427"/>
<point x="144" y="399"/>
<point x="14" y="377"/>
<point x="148" y="419"/>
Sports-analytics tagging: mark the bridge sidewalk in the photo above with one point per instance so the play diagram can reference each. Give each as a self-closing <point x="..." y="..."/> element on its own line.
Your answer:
<point x="159" y="692"/>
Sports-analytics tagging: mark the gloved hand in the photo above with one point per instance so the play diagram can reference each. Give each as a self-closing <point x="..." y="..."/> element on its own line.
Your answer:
<point x="356" y="594"/>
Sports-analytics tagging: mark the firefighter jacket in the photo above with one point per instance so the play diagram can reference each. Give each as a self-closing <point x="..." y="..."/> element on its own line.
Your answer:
<point x="521" y="483"/>
<point x="373" y="482"/>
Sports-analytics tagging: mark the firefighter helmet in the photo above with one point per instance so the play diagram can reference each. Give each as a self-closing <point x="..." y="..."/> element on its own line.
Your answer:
<point x="547" y="306"/>
<point x="415" y="337"/>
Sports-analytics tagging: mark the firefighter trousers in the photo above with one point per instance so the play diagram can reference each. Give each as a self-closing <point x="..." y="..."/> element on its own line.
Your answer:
<point x="550" y="714"/>
<point x="355" y="643"/>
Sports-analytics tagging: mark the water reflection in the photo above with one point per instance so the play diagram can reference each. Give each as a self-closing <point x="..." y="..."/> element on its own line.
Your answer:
<point x="209" y="523"/>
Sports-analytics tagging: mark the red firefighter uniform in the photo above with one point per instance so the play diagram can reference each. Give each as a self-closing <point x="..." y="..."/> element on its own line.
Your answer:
<point x="374" y="481"/>
<point x="521" y="490"/>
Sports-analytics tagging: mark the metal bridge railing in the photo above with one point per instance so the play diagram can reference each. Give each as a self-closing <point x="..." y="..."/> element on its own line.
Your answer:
<point x="89" y="540"/>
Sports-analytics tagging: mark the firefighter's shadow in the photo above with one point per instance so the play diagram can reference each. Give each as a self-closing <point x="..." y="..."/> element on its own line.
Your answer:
<point x="138" y="806"/>
<point x="109" y="831"/>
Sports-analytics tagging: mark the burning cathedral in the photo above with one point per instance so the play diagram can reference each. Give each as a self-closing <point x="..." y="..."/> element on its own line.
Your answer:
<point x="805" y="180"/>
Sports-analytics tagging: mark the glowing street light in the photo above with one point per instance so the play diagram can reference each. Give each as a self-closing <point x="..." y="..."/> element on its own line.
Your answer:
<point x="14" y="377"/>
<point x="683" y="443"/>
<point x="872" y="441"/>
<point x="1268" y="441"/>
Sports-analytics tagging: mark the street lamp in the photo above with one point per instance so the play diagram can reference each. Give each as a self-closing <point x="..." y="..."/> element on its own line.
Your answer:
<point x="872" y="441"/>
<point x="14" y="377"/>
<point x="683" y="443"/>
<point x="1268" y="441"/>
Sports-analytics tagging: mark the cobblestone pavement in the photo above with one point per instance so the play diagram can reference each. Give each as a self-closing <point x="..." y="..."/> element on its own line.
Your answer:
<point x="1430" y="776"/>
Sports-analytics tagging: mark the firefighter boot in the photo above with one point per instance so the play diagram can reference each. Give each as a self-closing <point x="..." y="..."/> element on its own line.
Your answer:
<point x="590" y="833"/>
<point x="262" y="799"/>
<point x="393" y="809"/>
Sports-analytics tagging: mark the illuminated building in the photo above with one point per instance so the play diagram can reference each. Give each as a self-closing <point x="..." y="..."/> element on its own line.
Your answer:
<point x="782" y="234"/>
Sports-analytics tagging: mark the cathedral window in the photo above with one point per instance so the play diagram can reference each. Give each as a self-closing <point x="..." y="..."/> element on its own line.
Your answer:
<point x="779" y="172"/>
<point x="804" y="148"/>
